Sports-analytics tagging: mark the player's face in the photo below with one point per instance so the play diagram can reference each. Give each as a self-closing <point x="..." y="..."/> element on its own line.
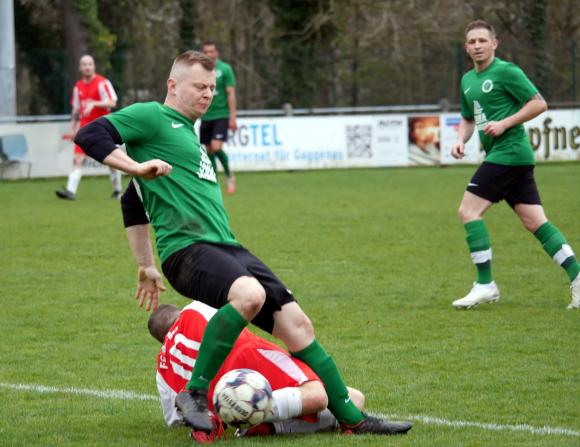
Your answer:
<point x="210" y="51"/>
<point x="480" y="45"/>
<point x="87" y="67"/>
<point x="193" y="90"/>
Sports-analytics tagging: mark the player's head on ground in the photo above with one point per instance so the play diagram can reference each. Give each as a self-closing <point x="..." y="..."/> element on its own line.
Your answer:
<point x="191" y="84"/>
<point x="162" y="319"/>
<point x="210" y="49"/>
<point x="480" y="42"/>
<point x="87" y="66"/>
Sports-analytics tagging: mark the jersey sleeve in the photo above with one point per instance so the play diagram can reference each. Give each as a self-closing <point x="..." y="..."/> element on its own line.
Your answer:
<point x="75" y="100"/>
<point x="518" y="84"/>
<point x="230" y="77"/>
<point x="137" y="123"/>
<point x="466" y="110"/>
<point x="106" y="91"/>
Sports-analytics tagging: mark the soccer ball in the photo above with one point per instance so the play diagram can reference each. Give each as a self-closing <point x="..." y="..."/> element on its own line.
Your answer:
<point x="242" y="397"/>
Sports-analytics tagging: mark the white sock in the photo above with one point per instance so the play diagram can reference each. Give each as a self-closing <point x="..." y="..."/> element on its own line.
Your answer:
<point x="326" y="422"/>
<point x="115" y="177"/>
<point x="74" y="178"/>
<point x="286" y="404"/>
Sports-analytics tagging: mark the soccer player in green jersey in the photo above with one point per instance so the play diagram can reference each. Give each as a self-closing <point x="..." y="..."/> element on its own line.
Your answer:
<point x="221" y="114"/>
<point x="175" y="190"/>
<point x="496" y="99"/>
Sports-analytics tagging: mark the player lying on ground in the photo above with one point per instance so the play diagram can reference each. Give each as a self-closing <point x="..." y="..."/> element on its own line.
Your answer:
<point x="179" y="196"/>
<point x="297" y="390"/>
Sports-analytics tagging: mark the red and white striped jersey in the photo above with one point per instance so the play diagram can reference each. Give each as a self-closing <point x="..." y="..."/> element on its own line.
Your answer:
<point x="177" y="357"/>
<point x="97" y="89"/>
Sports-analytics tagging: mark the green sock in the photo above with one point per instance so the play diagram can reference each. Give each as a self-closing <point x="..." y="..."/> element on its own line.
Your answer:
<point x="220" y="334"/>
<point x="480" y="249"/>
<point x="225" y="161"/>
<point x="322" y="364"/>
<point x="213" y="162"/>
<point x="554" y="243"/>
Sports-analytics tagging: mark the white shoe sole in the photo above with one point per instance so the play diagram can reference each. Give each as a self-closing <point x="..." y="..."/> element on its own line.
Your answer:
<point x="460" y="306"/>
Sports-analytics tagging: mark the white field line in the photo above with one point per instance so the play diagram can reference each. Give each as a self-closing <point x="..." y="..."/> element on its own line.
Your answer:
<point x="428" y="420"/>
<point x="105" y="394"/>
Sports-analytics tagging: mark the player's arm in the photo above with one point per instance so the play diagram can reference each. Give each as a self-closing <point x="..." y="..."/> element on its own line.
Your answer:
<point x="464" y="133"/>
<point x="99" y="139"/>
<point x="530" y="110"/>
<point x="149" y="281"/>
<point x="105" y="103"/>
<point x="76" y="113"/>
<point x="233" y="106"/>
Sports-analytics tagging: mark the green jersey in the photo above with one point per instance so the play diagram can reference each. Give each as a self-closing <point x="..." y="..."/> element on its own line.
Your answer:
<point x="492" y="95"/>
<point x="186" y="206"/>
<point x="224" y="77"/>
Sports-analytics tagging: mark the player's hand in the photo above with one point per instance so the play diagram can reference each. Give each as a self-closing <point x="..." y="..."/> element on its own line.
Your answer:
<point x="233" y="124"/>
<point x="149" y="286"/>
<point x="458" y="150"/>
<point x="152" y="169"/>
<point x="494" y="128"/>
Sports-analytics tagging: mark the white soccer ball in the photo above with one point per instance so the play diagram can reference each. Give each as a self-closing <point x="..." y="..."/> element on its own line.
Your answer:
<point x="242" y="397"/>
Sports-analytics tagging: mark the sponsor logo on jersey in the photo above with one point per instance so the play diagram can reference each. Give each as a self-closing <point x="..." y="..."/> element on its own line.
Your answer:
<point x="479" y="115"/>
<point x="176" y="125"/>
<point x="487" y="86"/>
<point x="472" y="184"/>
<point x="218" y="73"/>
<point x="206" y="171"/>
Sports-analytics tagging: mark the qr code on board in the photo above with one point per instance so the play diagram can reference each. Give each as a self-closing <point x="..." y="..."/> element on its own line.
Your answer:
<point x="358" y="141"/>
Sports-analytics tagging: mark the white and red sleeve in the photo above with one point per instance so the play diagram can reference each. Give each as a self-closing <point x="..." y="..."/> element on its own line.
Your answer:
<point x="106" y="91"/>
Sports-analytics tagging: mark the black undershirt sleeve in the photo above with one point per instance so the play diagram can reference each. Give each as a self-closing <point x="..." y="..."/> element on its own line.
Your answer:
<point x="132" y="207"/>
<point x="98" y="138"/>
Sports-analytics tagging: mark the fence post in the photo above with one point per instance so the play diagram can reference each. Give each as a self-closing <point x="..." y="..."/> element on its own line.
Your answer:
<point x="573" y="57"/>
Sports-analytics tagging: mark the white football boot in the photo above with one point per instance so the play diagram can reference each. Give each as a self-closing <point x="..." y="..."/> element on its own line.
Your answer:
<point x="575" y="288"/>
<point x="480" y="294"/>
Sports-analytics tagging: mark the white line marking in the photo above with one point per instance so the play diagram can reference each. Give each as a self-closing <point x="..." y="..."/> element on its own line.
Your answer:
<point x="105" y="394"/>
<point x="428" y="420"/>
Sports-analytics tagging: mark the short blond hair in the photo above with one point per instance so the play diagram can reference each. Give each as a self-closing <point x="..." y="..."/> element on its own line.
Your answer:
<point x="191" y="57"/>
<point x="479" y="23"/>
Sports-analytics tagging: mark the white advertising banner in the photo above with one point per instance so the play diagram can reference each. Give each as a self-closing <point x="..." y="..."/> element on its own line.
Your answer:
<point x="290" y="143"/>
<point x="48" y="150"/>
<point x="318" y="142"/>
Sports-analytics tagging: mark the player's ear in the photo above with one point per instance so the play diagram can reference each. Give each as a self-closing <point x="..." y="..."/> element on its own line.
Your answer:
<point x="171" y="83"/>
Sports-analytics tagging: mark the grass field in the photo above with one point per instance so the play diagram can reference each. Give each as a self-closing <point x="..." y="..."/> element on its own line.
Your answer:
<point x="375" y="258"/>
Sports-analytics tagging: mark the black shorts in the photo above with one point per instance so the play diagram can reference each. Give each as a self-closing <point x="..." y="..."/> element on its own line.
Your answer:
<point x="214" y="130"/>
<point x="205" y="272"/>
<point x="514" y="184"/>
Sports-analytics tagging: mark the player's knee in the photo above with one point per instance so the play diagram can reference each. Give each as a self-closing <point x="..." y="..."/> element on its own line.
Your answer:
<point x="253" y="300"/>
<point x="303" y="325"/>
<point x="248" y="296"/>
<point x="357" y="398"/>
<point x="320" y="401"/>
<point x="466" y="214"/>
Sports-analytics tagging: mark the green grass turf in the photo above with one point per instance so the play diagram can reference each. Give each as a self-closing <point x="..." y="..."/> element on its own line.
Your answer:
<point x="375" y="258"/>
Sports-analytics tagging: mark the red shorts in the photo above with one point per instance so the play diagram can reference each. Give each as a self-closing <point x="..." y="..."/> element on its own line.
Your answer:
<point x="280" y="368"/>
<point x="78" y="150"/>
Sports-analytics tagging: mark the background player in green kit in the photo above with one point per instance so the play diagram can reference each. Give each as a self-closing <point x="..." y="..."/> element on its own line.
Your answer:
<point x="497" y="98"/>
<point x="175" y="189"/>
<point x="221" y="114"/>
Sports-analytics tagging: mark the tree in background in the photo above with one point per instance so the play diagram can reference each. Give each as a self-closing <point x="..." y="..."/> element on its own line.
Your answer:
<point x="302" y="40"/>
<point x="312" y="53"/>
